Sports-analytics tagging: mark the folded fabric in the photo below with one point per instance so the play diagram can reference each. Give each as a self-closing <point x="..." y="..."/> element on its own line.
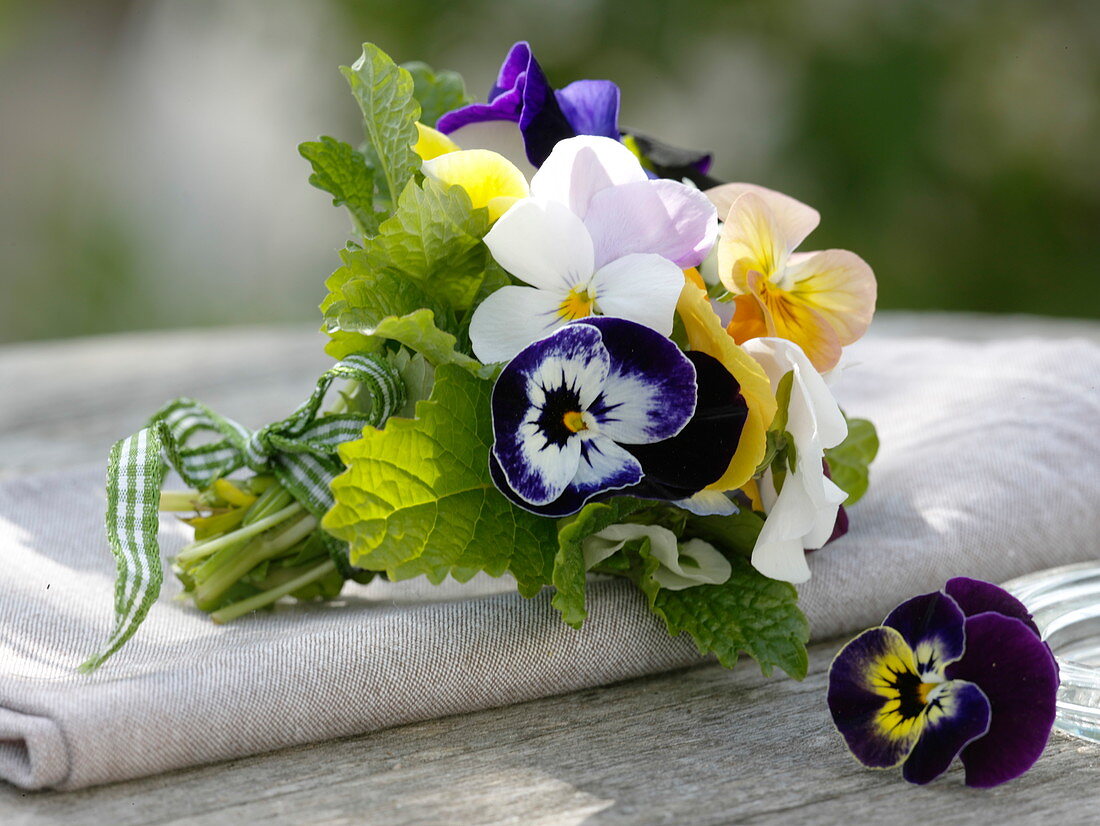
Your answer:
<point x="989" y="467"/>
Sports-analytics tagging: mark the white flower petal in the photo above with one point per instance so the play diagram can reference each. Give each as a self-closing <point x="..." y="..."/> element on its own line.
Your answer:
<point x="604" y="465"/>
<point x="696" y="563"/>
<point x="708" y="503"/>
<point x="825" y="520"/>
<point x="543" y="243"/>
<point x="779" y="552"/>
<point x="641" y="288"/>
<point x="579" y="167"/>
<point x="510" y="319"/>
<point x="553" y="465"/>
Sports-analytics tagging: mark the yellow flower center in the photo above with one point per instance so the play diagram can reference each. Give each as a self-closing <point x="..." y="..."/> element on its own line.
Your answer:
<point x="574" y="420"/>
<point x="579" y="303"/>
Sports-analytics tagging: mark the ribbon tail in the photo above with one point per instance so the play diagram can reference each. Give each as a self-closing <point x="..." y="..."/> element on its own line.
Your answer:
<point x="135" y="472"/>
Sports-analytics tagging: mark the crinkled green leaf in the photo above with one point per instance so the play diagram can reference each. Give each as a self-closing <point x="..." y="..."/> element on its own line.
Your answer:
<point x="434" y="237"/>
<point x="343" y="173"/>
<point x="569" y="571"/>
<point x="437" y="92"/>
<point x="418" y="332"/>
<point x="417" y="497"/>
<point x="384" y="92"/>
<point x="850" y="460"/>
<point x="362" y="294"/>
<point x="748" y="613"/>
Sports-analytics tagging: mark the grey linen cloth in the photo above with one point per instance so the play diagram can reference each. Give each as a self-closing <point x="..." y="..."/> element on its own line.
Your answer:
<point x="989" y="467"/>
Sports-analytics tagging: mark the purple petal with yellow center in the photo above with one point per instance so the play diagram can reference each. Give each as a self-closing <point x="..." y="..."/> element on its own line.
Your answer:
<point x="932" y="625"/>
<point x="957" y="714"/>
<point x="974" y="596"/>
<point x="533" y="399"/>
<point x="561" y="406"/>
<point x="876" y="697"/>
<point x="1017" y="673"/>
<point x="650" y="391"/>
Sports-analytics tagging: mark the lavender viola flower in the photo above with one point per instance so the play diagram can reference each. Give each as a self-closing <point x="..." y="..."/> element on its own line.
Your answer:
<point x="572" y="410"/>
<point x="545" y="116"/>
<point x="959" y="672"/>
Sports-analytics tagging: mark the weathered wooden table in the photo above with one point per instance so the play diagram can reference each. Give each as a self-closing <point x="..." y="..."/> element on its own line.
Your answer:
<point x="699" y="746"/>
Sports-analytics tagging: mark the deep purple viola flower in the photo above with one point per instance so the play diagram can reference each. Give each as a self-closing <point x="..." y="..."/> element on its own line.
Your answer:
<point x="956" y="673"/>
<point x="564" y="408"/>
<point x="523" y="96"/>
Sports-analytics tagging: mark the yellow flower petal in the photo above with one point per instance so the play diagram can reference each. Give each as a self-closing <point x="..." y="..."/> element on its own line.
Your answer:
<point x="794" y="219"/>
<point x="791" y="317"/>
<point x="839" y="285"/>
<point x="750" y="240"/>
<point x="750" y="319"/>
<point x="432" y="143"/>
<point x="487" y="177"/>
<point x="705" y="333"/>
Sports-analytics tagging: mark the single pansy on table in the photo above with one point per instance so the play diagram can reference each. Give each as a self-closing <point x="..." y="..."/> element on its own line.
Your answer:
<point x="561" y="347"/>
<point x="961" y="672"/>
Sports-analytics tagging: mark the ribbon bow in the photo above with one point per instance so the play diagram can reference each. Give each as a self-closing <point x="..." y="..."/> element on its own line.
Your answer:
<point x="299" y="451"/>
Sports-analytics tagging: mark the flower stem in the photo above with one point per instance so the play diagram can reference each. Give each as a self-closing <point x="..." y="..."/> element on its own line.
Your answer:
<point x="222" y="578"/>
<point x="179" y="500"/>
<point x="200" y="550"/>
<point x="245" y="606"/>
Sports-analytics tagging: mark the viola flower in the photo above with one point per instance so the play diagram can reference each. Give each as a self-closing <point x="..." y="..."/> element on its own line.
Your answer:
<point x="819" y="300"/>
<point x="705" y="334"/>
<point x="564" y="408"/>
<point x="490" y="179"/>
<point x="596" y="237"/>
<point x="803" y="514"/>
<point x="958" y="672"/>
<point x="545" y="116"/>
<point x="683" y="565"/>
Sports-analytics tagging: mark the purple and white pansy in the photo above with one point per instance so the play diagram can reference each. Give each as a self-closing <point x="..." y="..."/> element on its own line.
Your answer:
<point x="960" y="672"/>
<point x="565" y="406"/>
<point x="596" y="237"/>
<point x="607" y="406"/>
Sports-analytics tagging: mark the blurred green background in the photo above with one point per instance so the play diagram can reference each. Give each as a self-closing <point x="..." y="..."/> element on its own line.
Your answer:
<point x="150" y="176"/>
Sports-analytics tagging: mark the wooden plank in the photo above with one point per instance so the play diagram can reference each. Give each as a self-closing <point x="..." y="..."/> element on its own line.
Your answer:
<point x="701" y="746"/>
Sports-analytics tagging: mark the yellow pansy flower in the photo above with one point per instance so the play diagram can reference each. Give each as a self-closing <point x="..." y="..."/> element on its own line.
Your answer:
<point x="706" y="334"/>
<point x="819" y="300"/>
<point x="490" y="179"/>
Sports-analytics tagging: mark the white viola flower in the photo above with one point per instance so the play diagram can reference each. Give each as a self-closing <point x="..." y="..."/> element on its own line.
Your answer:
<point x="801" y="516"/>
<point x="596" y="237"/>
<point x="683" y="565"/>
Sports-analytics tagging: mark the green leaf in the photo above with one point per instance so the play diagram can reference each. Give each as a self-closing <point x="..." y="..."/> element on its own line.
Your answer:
<point x="434" y="237"/>
<point x="418" y="332"/>
<point x="384" y="92"/>
<point x="417" y="497"/>
<point x="437" y="92"/>
<point x="734" y="534"/>
<point x="343" y="173"/>
<point x="361" y="295"/>
<point x="748" y="613"/>
<point x="850" y="460"/>
<point x="569" y="570"/>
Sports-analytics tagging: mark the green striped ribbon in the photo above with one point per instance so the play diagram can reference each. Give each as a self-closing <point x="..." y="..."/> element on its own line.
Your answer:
<point x="299" y="451"/>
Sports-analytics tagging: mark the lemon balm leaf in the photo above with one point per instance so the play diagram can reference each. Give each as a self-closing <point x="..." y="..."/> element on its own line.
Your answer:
<point x="417" y="497"/>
